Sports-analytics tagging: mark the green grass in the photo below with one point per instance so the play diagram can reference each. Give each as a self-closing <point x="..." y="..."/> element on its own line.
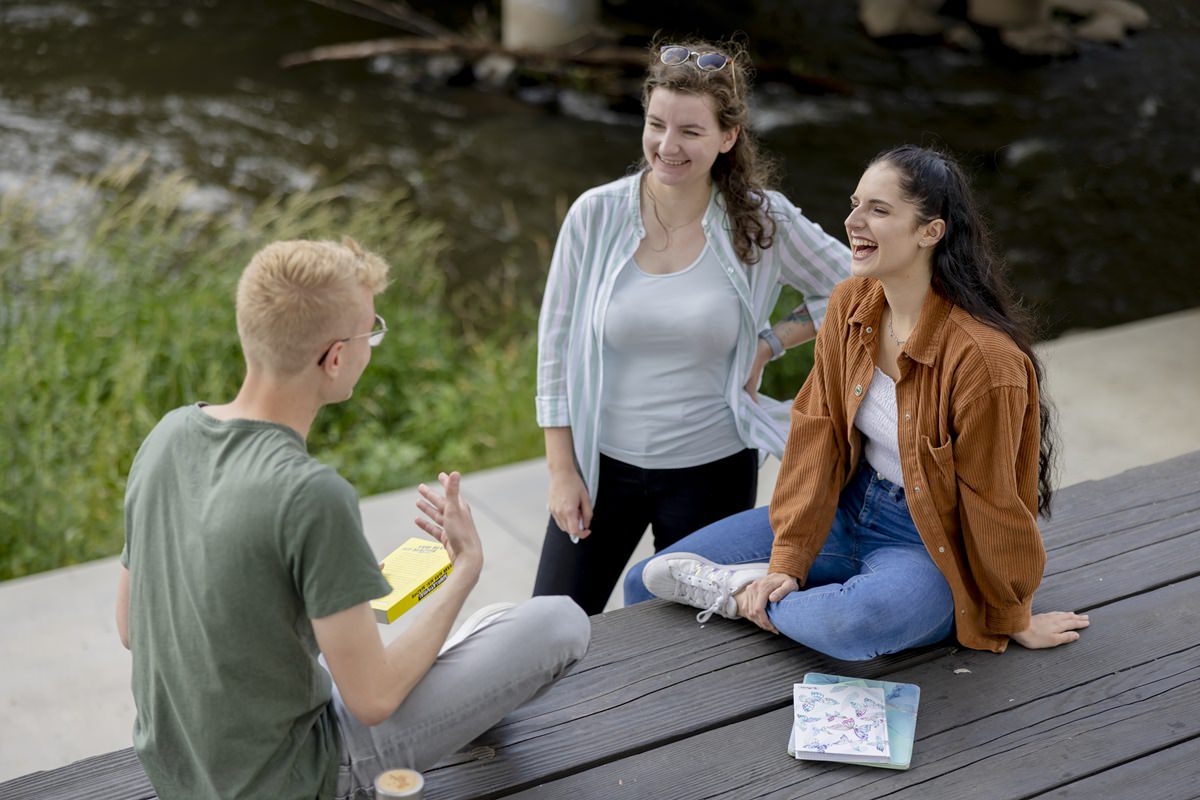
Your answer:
<point x="116" y="305"/>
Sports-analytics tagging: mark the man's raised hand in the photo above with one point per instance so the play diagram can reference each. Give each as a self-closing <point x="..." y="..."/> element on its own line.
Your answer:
<point x="448" y="519"/>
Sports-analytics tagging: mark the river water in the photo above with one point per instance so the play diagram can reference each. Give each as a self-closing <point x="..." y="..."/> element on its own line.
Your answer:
<point x="1089" y="168"/>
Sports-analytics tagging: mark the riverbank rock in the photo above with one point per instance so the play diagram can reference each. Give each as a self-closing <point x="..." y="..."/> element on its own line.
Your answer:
<point x="1102" y="28"/>
<point x="545" y="24"/>
<point x="1134" y="16"/>
<point x="882" y="18"/>
<point x="494" y="70"/>
<point x="963" y="37"/>
<point x="1106" y="21"/>
<point x="1131" y="15"/>
<point x="1109" y="21"/>
<point x="1041" y="39"/>
<point x="1030" y="27"/>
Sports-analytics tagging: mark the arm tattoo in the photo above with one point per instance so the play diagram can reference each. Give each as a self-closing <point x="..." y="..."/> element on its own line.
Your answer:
<point x="799" y="314"/>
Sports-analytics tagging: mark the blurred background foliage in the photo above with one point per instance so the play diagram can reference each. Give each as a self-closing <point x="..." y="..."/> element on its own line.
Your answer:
<point x="124" y="311"/>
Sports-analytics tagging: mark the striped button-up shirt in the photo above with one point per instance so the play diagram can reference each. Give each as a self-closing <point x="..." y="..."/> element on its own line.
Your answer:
<point x="969" y="430"/>
<point x="599" y="236"/>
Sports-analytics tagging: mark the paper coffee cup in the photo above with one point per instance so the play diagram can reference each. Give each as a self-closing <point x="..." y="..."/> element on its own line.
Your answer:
<point x="400" y="784"/>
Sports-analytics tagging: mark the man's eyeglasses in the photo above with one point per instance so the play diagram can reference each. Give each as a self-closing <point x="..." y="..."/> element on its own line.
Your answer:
<point x="672" y="54"/>
<point x="374" y="338"/>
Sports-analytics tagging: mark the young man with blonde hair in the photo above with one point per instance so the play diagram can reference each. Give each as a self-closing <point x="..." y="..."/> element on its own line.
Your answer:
<point x="244" y="557"/>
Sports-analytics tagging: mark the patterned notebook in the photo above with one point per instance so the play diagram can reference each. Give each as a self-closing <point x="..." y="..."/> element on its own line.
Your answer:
<point x="900" y="701"/>
<point x="839" y="721"/>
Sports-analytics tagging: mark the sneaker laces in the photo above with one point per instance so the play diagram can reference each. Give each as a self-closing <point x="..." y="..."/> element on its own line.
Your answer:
<point x="707" y="588"/>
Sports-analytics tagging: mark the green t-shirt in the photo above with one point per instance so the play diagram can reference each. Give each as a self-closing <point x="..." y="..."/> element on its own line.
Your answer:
<point x="235" y="538"/>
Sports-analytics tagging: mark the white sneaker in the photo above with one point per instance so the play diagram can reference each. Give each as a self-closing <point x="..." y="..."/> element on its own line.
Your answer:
<point x="476" y="622"/>
<point x="695" y="581"/>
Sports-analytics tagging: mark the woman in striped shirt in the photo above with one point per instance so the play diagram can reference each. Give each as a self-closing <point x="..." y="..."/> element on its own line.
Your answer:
<point x="919" y="454"/>
<point x="654" y="329"/>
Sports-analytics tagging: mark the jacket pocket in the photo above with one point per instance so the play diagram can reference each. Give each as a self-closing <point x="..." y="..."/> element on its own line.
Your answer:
<point x="942" y="455"/>
<point x="942" y="480"/>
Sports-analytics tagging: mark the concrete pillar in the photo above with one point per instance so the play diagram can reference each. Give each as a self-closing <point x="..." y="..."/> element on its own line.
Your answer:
<point x="541" y="24"/>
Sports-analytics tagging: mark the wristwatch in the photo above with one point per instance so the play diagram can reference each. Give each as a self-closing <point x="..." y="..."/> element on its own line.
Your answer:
<point x="768" y="336"/>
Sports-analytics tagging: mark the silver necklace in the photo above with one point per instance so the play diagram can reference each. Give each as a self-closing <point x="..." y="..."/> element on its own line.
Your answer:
<point x="672" y="228"/>
<point x="668" y="228"/>
<point x="900" y="342"/>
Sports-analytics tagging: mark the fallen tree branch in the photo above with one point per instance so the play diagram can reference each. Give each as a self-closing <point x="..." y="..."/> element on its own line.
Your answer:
<point x="599" y="56"/>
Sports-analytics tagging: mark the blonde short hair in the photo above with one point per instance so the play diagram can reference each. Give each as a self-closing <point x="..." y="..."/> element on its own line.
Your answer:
<point x="295" y="297"/>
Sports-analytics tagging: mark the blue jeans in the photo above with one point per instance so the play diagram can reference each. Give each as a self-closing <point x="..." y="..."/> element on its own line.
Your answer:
<point x="873" y="588"/>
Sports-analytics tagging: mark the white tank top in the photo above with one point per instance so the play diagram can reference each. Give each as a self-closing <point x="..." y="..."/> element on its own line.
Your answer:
<point x="876" y="420"/>
<point x="669" y="344"/>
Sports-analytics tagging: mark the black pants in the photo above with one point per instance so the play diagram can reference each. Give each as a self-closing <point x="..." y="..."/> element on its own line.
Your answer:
<point x="674" y="501"/>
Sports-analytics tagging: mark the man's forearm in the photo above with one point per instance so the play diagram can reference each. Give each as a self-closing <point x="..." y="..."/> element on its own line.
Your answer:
<point x="375" y="680"/>
<point x="411" y="655"/>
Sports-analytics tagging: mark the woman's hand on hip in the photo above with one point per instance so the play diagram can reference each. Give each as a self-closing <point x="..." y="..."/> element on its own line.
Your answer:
<point x="752" y="600"/>
<point x="569" y="503"/>
<point x="762" y="355"/>
<point x="1051" y="629"/>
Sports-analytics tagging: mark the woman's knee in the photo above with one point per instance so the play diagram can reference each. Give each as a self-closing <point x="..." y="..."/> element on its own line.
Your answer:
<point x="855" y="639"/>
<point x="856" y="631"/>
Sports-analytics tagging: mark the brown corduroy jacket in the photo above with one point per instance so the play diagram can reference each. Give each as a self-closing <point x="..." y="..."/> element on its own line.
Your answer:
<point x="967" y="412"/>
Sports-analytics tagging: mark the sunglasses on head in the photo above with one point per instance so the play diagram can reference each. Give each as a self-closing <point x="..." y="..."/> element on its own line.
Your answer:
<point x="672" y="54"/>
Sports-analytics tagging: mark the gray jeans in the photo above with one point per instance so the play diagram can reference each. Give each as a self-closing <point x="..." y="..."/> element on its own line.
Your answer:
<point x="468" y="689"/>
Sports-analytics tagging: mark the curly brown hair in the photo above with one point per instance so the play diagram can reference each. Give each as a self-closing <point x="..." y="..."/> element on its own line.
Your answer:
<point x="743" y="174"/>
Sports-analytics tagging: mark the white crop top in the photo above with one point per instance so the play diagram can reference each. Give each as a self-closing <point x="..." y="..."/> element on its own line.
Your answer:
<point x="876" y="420"/>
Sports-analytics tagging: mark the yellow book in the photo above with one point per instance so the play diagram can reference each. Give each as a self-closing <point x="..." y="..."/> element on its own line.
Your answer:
<point x="414" y="569"/>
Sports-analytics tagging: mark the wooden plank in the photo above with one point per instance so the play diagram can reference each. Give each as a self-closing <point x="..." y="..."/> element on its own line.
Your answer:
<point x="1098" y="498"/>
<point x="1109" y="539"/>
<point x="575" y="725"/>
<point x="112" y="776"/>
<point x="1096" y="539"/>
<point x="1064" y="737"/>
<point x="1140" y="529"/>
<point x="1093" y="512"/>
<point x="975" y="723"/>
<point x="653" y="659"/>
<point x="644" y="652"/>
<point x="1172" y="772"/>
<point x="1143" y="568"/>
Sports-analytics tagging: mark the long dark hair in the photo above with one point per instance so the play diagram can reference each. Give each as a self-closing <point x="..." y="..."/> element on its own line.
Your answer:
<point x="967" y="272"/>
<point x="742" y="175"/>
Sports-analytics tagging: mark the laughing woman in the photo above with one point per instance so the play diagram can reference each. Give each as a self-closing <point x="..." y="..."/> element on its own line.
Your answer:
<point x="919" y="454"/>
<point x="654" y="329"/>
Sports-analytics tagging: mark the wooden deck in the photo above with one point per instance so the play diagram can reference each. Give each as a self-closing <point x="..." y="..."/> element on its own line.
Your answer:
<point x="664" y="708"/>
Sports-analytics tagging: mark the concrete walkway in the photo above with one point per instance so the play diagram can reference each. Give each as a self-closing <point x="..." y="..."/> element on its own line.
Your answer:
<point x="1126" y="396"/>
